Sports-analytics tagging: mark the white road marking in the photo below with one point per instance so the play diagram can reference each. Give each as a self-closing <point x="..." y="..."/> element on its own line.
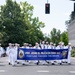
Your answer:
<point x="72" y="71"/>
<point x="43" y="71"/>
<point x="43" y="66"/>
<point x="2" y="71"/>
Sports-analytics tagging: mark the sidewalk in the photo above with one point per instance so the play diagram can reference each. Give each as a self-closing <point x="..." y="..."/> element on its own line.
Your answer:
<point x="72" y="57"/>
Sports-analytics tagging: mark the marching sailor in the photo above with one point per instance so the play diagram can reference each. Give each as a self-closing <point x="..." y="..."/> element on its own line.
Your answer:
<point x="51" y="46"/>
<point x="1" y="50"/>
<point x="8" y="52"/>
<point x="37" y="47"/>
<point x="69" y="53"/>
<point x="60" y="47"/>
<point x="16" y="48"/>
<point x="63" y="47"/>
<point x="44" y="46"/>
<point x="11" y="53"/>
<point x="25" y="45"/>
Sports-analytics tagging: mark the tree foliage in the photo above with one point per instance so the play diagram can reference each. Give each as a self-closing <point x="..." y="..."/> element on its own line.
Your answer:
<point x="64" y="37"/>
<point x="17" y="24"/>
<point x="55" y="35"/>
<point x="33" y="24"/>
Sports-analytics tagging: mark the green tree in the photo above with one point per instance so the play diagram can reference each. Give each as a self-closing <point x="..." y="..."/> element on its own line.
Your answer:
<point x="34" y="33"/>
<point x="55" y="35"/>
<point x="47" y="38"/>
<point x="64" y="37"/>
<point x="18" y="25"/>
<point x="12" y="22"/>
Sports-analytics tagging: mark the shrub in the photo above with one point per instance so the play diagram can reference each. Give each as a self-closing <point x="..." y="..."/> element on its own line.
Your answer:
<point x="73" y="53"/>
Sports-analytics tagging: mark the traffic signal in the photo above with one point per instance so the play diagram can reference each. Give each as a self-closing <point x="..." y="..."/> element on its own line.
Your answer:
<point x="47" y="8"/>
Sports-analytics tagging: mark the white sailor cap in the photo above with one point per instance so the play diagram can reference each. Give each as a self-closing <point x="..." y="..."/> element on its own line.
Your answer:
<point x="54" y="44"/>
<point x="43" y="42"/>
<point x="16" y="44"/>
<point x="25" y="44"/>
<point x="10" y="44"/>
<point x="46" y="42"/>
<point x="36" y="43"/>
<point x="0" y="44"/>
<point x="69" y="43"/>
<point x="62" y="43"/>
<point x="51" y="43"/>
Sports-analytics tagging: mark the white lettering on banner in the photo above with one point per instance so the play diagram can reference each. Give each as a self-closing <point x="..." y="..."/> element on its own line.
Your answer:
<point x="33" y="52"/>
<point x="53" y="55"/>
<point x="42" y="55"/>
<point x="27" y="52"/>
<point x="45" y="52"/>
<point x="31" y="55"/>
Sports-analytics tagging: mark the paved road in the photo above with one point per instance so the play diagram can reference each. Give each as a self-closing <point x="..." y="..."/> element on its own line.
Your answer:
<point x="33" y="69"/>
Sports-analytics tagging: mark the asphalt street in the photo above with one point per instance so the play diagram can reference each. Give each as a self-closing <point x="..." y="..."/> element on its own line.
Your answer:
<point x="33" y="69"/>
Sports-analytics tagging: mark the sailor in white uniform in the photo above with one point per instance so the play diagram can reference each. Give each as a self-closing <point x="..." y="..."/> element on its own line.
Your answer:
<point x="60" y="47"/>
<point x="8" y="52"/>
<point x="51" y="46"/>
<point x="1" y="50"/>
<point x="63" y="47"/>
<point x="36" y="47"/>
<point x="69" y="53"/>
<point x="25" y="45"/>
<point x="16" y="48"/>
<point x="11" y="53"/>
<point x="44" y="46"/>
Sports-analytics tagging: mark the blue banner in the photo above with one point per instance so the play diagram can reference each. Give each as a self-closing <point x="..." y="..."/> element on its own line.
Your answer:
<point x="42" y="54"/>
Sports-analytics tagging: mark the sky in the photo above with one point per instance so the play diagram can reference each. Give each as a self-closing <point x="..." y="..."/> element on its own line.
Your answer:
<point x="60" y="11"/>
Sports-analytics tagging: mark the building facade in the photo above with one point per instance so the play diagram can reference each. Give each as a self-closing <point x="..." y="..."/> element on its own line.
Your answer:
<point x="71" y="33"/>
